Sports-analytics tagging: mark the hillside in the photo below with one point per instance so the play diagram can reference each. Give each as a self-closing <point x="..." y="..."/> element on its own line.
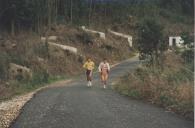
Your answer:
<point x="23" y="23"/>
<point x="48" y="62"/>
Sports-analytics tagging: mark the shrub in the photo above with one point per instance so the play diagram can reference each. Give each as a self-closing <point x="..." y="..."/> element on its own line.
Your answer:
<point x="150" y="42"/>
<point x="40" y="77"/>
<point x="4" y="62"/>
<point x="188" y="56"/>
<point x="86" y="38"/>
<point x="170" y="88"/>
<point x="42" y="50"/>
<point x="108" y="47"/>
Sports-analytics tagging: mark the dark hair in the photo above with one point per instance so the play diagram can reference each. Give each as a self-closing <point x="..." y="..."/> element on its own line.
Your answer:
<point x="105" y="59"/>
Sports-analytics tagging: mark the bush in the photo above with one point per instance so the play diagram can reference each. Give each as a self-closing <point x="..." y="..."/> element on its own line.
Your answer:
<point x="188" y="56"/>
<point x="4" y="62"/>
<point x="170" y="88"/>
<point x="87" y="38"/>
<point x="150" y="42"/>
<point x="39" y="78"/>
<point x="42" y="50"/>
<point x="108" y="47"/>
<point x="181" y="76"/>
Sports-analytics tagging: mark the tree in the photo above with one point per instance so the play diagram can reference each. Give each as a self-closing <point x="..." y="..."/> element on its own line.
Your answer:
<point x="90" y="12"/>
<point x="71" y="11"/>
<point x="188" y="54"/>
<point x="183" y="6"/>
<point x="188" y="40"/>
<point x="150" y="42"/>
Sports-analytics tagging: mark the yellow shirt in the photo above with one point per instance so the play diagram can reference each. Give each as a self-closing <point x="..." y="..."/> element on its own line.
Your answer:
<point x="89" y="65"/>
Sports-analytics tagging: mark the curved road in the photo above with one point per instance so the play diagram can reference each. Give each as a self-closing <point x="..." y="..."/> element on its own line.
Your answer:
<point x="76" y="106"/>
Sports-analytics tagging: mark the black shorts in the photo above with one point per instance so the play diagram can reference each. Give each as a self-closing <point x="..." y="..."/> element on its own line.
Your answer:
<point x="88" y="72"/>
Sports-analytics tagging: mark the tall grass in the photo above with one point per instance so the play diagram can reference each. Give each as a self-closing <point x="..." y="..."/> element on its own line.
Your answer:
<point x="171" y="88"/>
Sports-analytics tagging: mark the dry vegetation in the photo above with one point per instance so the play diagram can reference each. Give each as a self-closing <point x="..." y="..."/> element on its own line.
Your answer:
<point x="48" y="63"/>
<point x="171" y="88"/>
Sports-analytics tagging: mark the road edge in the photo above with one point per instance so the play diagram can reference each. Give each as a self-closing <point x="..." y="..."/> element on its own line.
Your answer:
<point x="9" y="110"/>
<point x="8" y="115"/>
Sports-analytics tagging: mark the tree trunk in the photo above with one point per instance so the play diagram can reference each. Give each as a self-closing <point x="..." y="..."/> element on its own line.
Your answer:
<point x="90" y="11"/>
<point x="13" y="27"/>
<point x="49" y="14"/>
<point x="71" y="11"/>
<point x="56" y="11"/>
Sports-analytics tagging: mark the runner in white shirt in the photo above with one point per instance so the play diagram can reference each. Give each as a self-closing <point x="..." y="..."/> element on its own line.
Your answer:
<point x="104" y="69"/>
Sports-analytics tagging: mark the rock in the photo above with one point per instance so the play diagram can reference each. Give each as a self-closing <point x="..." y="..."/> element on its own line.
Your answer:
<point x="19" y="72"/>
<point x="9" y="45"/>
<point x="7" y="83"/>
<point x="14" y="45"/>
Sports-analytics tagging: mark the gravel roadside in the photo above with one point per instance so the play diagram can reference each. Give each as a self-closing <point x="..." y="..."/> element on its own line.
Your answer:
<point x="10" y="109"/>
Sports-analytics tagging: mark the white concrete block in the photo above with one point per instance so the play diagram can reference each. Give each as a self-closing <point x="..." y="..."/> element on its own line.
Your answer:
<point x="101" y="34"/>
<point x="43" y="39"/>
<point x="50" y="38"/>
<point x="128" y="37"/>
<point x="65" y="47"/>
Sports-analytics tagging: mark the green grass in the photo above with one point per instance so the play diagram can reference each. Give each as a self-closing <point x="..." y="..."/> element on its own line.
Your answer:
<point x="21" y="87"/>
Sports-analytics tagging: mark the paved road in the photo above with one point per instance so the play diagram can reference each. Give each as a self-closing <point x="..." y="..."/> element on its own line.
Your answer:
<point x="76" y="106"/>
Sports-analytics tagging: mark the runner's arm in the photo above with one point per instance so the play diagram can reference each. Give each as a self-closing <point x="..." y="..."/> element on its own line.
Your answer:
<point x="93" y="66"/>
<point x="84" y="65"/>
<point x="99" y="68"/>
<point x="108" y="67"/>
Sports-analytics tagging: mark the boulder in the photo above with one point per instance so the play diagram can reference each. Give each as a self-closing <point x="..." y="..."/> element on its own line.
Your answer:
<point x="19" y="72"/>
<point x="9" y="45"/>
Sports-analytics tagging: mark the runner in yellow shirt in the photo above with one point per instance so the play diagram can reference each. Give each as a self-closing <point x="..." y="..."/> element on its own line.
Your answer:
<point x="89" y="66"/>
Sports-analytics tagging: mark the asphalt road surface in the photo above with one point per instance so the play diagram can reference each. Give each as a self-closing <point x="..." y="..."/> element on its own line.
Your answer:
<point x="77" y="106"/>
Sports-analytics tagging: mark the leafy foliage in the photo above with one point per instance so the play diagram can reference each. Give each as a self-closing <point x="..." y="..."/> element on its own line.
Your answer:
<point x="188" y="40"/>
<point x="36" y="14"/>
<point x="150" y="42"/>
<point x="183" y="6"/>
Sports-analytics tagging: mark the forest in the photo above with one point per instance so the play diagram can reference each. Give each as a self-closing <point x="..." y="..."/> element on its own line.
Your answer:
<point x="35" y="15"/>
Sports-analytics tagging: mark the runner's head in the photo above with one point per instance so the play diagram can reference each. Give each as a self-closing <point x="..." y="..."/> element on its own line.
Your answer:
<point x="104" y="60"/>
<point x="88" y="59"/>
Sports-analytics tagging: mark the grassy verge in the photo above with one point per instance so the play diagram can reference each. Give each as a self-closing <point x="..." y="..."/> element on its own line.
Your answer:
<point x="15" y="87"/>
<point x="171" y="88"/>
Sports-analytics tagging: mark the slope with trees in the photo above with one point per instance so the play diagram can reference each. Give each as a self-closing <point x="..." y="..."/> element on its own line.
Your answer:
<point x="22" y="22"/>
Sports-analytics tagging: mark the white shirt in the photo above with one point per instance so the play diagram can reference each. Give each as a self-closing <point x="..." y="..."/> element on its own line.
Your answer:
<point x="104" y="66"/>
